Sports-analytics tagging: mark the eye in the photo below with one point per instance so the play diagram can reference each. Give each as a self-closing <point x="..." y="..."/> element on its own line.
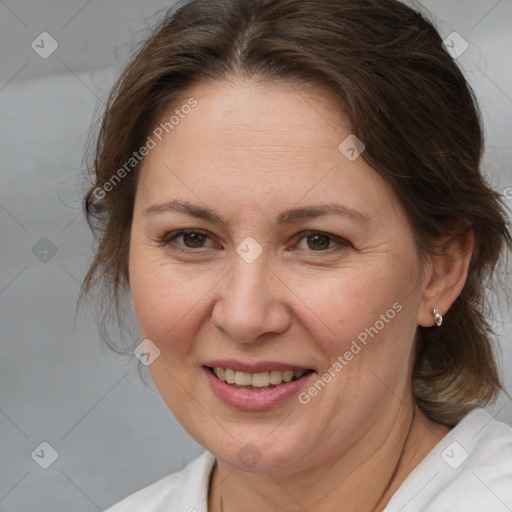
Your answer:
<point x="321" y="242"/>
<point x="192" y="239"/>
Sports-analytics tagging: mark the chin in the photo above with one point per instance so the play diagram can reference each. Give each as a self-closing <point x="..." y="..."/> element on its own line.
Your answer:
<point x="253" y="450"/>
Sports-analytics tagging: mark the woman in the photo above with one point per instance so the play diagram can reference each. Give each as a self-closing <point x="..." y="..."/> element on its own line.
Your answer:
<point x="290" y="191"/>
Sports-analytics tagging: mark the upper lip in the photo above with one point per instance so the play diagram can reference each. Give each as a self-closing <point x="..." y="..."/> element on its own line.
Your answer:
<point x="257" y="367"/>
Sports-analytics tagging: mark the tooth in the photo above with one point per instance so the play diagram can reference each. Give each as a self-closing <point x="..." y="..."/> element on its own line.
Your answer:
<point x="276" y="377"/>
<point x="288" y="375"/>
<point x="260" y="380"/>
<point x="243" y="378"/>
<point x="230" y="376"/>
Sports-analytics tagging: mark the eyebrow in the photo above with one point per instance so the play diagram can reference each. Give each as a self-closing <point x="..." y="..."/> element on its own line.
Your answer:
<point x="290" y="216"/>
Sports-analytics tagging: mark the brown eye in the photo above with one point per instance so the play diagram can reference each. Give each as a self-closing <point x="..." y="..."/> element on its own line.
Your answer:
<point x="193" y="240"/>
<point x="190" y="240"/>
<point x="318" y="242"/>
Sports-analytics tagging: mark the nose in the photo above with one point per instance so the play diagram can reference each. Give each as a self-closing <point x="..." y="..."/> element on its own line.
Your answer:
<point x="251" y="302"/>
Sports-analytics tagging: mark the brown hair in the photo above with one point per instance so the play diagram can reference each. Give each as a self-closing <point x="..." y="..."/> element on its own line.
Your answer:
<point x="406" y="99"/>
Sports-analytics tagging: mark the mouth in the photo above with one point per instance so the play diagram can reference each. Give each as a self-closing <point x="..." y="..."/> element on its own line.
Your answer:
<point x="259" y="381"/>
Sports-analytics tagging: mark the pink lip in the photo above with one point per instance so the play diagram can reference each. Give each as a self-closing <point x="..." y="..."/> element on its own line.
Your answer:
<point x="261" y="366"/>
<point x="252" y="399"/>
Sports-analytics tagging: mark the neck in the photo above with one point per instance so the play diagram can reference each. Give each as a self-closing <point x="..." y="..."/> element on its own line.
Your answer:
<point x="342" y="479"/>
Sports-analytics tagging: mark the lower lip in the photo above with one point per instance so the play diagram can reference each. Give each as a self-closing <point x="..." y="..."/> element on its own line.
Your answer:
<point x="253" y="399"/>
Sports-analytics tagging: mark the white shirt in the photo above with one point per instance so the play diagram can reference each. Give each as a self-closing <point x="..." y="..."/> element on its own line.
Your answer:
<point x="470" y="470"/>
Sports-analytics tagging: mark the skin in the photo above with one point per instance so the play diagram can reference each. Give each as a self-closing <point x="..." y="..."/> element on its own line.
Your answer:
<point x="248" y="151"/>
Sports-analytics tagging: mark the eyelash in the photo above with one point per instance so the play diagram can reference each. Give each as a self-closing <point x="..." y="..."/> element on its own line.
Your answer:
<point x="169" y="238"/>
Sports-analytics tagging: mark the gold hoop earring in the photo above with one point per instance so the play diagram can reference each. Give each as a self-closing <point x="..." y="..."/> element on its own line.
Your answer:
<point x="438" y="319"/>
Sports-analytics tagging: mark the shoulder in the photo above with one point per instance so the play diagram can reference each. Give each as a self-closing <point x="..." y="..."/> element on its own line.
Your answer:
<point x="469" y="470"/>
<point x="185" y="490"/>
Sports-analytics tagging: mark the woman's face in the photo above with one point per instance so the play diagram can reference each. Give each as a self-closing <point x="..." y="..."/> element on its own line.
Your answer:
<point x="265" y="281"/>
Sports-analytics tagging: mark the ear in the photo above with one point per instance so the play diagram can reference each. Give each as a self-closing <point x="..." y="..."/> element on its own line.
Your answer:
<point x="446" y="274"/>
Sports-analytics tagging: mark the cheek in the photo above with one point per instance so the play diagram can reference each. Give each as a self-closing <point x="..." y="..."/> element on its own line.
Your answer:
<point x="368" y="318"/>
<point x="167" y="301"/>
<point x="353" y="301"/>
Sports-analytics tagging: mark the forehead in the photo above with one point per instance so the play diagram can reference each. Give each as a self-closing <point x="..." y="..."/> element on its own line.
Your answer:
<point x="241" y="118"/>
<point x="255" y="141"/>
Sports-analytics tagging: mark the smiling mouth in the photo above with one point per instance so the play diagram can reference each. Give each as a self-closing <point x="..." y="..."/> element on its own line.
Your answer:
<point x="257" y="381"/>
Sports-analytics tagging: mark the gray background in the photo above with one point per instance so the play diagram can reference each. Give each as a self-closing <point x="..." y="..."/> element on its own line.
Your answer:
<point x="112" y="433"/>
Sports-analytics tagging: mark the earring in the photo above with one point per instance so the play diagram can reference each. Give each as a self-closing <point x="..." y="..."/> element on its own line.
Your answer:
<point x="437" y="317"/>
